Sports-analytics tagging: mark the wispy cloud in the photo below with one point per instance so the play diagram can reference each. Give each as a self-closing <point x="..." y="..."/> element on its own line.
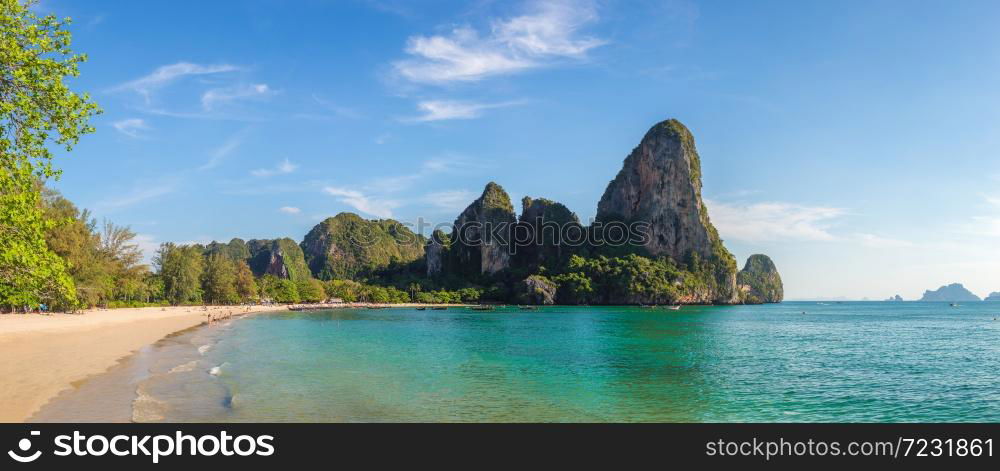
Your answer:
<point x="547" y="32"/>
<point x="768" y="222"/>
<point x="137" y="195"/>
<point x="290" y="210"/>
<point x="221" y="96"/>
<point x="337" y="109"/>
<point x="285" y="166"/>
<point x="440" y="110"/>
<point x="131" y="127"/>
<point x="220" y="153"/>
<point x="168" y="73"/>
<point x="428" y="168"/>
<point x="450" y="200"/>
<point x="361" y="202"/>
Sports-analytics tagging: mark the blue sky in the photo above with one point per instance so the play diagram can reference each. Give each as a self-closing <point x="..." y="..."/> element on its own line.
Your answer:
<point x="854" y="142"/>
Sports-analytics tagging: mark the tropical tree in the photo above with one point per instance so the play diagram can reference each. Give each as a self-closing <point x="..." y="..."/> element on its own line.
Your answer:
<point x="218" y="280"/>
<point x="180" y="267"/>
<point x="36" y="109"/>
<point x="246" y="287"/>
<point x="310" y="290"/>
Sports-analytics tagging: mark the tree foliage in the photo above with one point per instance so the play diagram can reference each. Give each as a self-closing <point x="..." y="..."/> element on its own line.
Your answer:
<point x="37" y="109"/>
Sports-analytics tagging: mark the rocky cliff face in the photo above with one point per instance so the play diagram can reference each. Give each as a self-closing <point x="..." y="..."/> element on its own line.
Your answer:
<point x="536" y="289"/>
<point x="436" y="252"/>
<point x="759" y="281"/>
<point x="660" y="184"/>
<point x="481" y="236"/>
<point x="235" y="250"/>
<point x="279" y="257"/>
<point x="347" y="246"/>
<point x="546" y="234"/>
<point x="954" y="292"/>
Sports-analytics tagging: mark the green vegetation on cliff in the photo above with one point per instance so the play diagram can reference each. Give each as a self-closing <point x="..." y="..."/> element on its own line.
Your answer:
<point x="759" y="281"/>
<point x="347" y="246"/>
<point x="282" y="258"/>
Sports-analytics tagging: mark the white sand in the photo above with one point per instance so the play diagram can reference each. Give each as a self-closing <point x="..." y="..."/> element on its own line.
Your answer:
<point x="40" y="356"/>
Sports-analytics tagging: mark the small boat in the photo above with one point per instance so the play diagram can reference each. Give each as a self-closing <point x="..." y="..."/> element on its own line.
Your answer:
<point x="482" y="308"/>
<point x="953" y="304"/>
<point x="528" y="308"/>
<point x="421" y="308"/>
<point x="439" y="308"/>
<point x="673" y="308"/>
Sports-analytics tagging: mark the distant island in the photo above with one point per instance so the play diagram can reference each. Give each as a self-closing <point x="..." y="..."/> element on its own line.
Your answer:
<point x="896" y="298"/>
<point x="994" y="296"/>
<point x="954" y="292"/>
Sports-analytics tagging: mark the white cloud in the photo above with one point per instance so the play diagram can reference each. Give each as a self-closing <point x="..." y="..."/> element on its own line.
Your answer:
<point x="450" y="200"/>
<point x="221" y="152"/>
<point x="547" y="32"/>
<point x="290" y="210"/>
<point x="338" y="110"/>
<point x="168" y="73"/>
<point x="130" y="127"/>
<point x="764" y="222"/>
<point x="361" y="202"/>
<point x="430" y="167"/>
<point x="440" y="110"/>
<point x="285" y="166"/>
<point x="136" y="196"/>
<point x="216" y="96"/>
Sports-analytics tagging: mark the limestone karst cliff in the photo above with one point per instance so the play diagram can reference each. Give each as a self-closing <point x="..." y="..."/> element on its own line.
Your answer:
<point x="481" y="235"/>
<point x="759" y="281"/>
<point x="551" y="232"/>
<point x="348" y="246"/>
<point x="660" y="184"/>
<point x="279" y="257"/>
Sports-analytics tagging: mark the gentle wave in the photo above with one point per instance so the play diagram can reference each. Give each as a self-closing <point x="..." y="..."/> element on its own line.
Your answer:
<point x="146" y="408"/>
<point x="189" y="366"/>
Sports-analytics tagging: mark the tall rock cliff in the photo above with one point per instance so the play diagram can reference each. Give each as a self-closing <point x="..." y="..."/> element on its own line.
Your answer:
<point x="279" y="257"/>
<point x="660" y="184"/>
<point x="547" y="233"/>
<point x="759" y="281"/>
<point x="436" y="252"/>
<point x="481" y="236"/>
<point x="347" y="246"/>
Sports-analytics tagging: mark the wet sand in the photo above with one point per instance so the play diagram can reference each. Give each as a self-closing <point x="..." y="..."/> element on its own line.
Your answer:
<point x="46" y="354"/>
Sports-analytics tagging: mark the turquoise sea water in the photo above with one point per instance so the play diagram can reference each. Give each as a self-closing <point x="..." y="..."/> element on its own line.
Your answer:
<point x="836" y="362"/>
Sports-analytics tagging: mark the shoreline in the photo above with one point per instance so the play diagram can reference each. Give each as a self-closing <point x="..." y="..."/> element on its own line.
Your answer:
<point x="48" y="354"/>
<point x="45" y="355"/>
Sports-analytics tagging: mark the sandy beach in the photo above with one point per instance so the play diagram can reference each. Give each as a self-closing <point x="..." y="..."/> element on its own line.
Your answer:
<point x="46" y="354"/>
